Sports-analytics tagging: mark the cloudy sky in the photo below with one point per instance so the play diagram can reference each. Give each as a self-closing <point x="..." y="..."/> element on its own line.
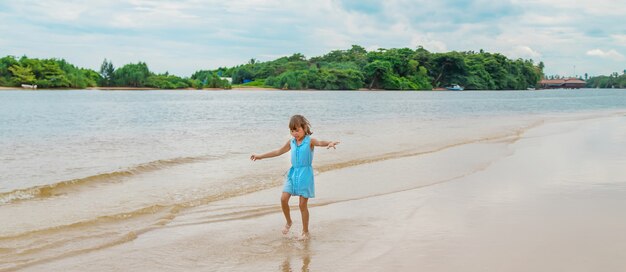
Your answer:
<point x="184" y="36"/>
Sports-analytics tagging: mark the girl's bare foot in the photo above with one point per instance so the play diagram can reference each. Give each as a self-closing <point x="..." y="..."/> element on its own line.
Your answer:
<point x="305" y="236"/>
<point x="286" y="228"/>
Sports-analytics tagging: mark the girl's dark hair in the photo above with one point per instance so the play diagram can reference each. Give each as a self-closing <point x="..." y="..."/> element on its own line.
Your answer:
<point x="297" y="121"/>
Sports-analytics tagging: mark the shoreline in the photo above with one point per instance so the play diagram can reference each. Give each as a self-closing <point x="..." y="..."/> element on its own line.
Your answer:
<point x="139" y="89"/>
<point x="455" y="209"/>
<point x="253" y="88"/>
<point x="183" y="89"/>
<point x="238" y="88"/>
<point x="245" y="88"/>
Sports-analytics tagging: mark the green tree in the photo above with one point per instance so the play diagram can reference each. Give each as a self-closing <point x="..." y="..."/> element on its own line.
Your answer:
<point x="210" y="79"/>
<point x="107" y="73"/>
<point x="242" y="74"/>
<point x="22" y="74"/>
<point x="50" y="75"/>
<point x="541" y="67"/>
<point x="377" y="73"/>
<point x="132" y="75"/>
<point x="5" y="74"/>
<point x="448" y="68"/>
<point x="401" y="69"/>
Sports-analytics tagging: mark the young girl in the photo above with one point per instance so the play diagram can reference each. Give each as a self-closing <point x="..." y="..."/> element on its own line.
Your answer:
<point x="299" y="181"/>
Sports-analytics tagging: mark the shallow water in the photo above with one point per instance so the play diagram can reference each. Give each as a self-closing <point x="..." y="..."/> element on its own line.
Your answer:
<point x="47" y="137"/>
<point x="86" y="170"/>
<point x="548" y="199"/>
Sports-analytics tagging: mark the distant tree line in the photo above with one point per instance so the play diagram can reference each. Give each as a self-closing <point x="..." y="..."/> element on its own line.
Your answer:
<point x="354" y="68"/>
<point x="46" y="73"/>
<point x="614" y="80"/>
<point x="391" y="69"/>
<point x="138" y="75"/>
<point x="57" y="73"/>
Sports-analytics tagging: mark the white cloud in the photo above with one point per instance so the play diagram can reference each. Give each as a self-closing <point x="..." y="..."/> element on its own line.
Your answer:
<point x="523" y="51"/>
<point x="620" y="39"/>
<point x="183" y="36"/>
<point x="52" y="10"/>
<point x="428" y="42"/>
<point x="610" y="54"/>
<point x="331" y="38"/>
<point x="595" y="8"/>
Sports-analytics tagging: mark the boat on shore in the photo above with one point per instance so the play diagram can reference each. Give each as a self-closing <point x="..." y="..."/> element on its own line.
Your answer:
<point x="28" y="86"/>
<point x="455" y="87"/>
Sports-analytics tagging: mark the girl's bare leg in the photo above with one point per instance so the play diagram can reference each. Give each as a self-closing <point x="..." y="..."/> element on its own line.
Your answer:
<point x="284" y="204"/>
<point x="304" y="210"/>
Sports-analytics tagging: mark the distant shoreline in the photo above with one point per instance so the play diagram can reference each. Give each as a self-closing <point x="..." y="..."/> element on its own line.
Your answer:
<point x="183" y="89"/>
<point x="239" y="88"/>
<point x="141" y="89"/>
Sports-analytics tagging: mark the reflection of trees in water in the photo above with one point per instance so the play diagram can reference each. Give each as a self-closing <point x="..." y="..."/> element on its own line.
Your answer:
<point x="303" y="253"/>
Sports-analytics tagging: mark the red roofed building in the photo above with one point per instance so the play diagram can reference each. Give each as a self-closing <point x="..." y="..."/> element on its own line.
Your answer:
<point x="565" y="83"/>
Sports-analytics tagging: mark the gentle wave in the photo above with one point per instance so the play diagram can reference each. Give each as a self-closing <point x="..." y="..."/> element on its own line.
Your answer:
<point x="49" y="190"/>
<point x="252" y="212"/>
<point x="120" y="228"/>
<point x="40" y="246"/>
<point x="47" y="244"/>
<point x="514" y="135"/>
<point x="251" y="183"/>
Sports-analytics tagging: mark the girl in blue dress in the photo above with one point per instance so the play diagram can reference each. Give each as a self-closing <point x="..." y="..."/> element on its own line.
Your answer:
<point x="299" y="180"/>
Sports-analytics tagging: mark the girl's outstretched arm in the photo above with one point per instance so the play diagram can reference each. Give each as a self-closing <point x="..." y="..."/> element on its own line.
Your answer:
<point x="327" y="144"/>
<point x="272" y="154"/>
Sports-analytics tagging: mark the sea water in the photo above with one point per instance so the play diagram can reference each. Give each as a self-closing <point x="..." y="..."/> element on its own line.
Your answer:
<point x="48" y="137"/>
<point x="97" y="167"/>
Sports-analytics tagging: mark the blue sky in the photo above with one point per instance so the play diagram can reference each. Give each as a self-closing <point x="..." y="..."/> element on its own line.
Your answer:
<point x="184" y="36"/>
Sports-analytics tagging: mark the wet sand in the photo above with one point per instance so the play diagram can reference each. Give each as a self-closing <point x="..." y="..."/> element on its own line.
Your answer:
<point x="549" y="199"/>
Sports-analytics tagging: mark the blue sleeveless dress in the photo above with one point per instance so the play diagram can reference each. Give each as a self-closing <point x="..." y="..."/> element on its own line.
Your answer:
<point x="299" y="180"/>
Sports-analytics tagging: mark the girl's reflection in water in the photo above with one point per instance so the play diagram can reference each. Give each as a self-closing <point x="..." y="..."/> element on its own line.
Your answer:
<point x="302" y="252"/>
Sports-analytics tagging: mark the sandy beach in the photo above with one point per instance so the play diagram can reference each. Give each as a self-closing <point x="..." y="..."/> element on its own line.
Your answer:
<point x="10" y="88"/>
<point x="548" y="199"/>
